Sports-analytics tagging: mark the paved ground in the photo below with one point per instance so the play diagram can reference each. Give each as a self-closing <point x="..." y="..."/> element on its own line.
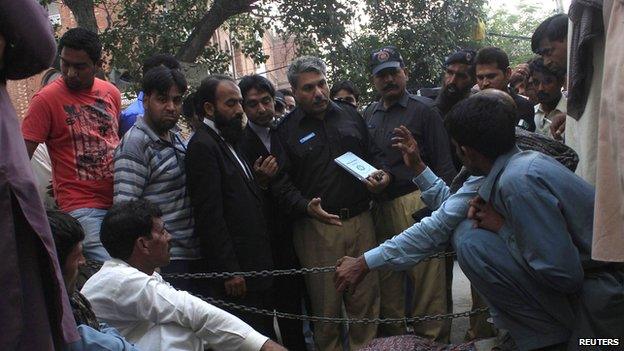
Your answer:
<point x="461" y="302"/>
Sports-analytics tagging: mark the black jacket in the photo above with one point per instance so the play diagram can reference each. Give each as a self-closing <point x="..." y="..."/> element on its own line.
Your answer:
<point x="227" y="207"/>
<point x="279" y="225"/>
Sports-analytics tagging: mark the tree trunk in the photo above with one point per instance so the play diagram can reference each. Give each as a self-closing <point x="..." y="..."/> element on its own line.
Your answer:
<point x="218" y="13"/>
<point x="83" y="11"/>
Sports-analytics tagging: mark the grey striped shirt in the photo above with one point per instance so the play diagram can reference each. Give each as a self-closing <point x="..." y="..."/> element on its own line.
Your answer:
<point x="151" y="168"/>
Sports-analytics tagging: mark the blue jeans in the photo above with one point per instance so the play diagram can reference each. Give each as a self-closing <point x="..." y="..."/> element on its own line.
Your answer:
<point x="91" y="221"/>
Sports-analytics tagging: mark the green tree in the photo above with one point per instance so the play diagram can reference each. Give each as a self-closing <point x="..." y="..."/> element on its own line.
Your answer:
<point x="423" y="30"/>
<point x="512" y="31"/>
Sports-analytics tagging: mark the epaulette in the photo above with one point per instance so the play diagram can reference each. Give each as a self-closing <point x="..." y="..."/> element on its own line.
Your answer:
<point x="424" y="100"/>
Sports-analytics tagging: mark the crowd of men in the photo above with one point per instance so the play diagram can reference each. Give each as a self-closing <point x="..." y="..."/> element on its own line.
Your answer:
<point x="488" y="174"/>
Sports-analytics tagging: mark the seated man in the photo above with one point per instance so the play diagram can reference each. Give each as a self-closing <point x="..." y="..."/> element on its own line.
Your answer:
<point x="129" y="295"/>
<point x="68" y="235"/>
<point x="536" y="274"/>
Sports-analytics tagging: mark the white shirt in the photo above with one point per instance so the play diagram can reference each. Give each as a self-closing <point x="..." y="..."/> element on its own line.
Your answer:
<point x="543" y="119"/>
<point x="263" y="134"/>
<point x="212" y="126"/>
<point x="152" y="314"/>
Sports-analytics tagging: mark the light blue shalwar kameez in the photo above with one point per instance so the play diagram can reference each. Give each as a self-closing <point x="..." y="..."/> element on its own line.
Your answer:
<point x="536" y="273"/>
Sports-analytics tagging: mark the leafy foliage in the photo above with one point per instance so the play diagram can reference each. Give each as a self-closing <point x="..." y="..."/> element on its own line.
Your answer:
<point x="521" y="24"/>
<point x="425" y="31"/>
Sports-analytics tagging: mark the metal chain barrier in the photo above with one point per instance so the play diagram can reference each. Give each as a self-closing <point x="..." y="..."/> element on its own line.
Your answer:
<point x="339" y="320"/>
<point x="273" y="273"/>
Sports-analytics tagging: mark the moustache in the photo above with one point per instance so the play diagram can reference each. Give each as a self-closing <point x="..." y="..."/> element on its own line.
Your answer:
<point x="451" y="88"/>
<point x="319" y="100"/>
<point x="541" y="96"/>
<point x="390" y="86"/>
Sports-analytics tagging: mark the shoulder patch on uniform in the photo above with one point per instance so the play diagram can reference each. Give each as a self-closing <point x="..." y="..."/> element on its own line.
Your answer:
<point x="424" y="100"/>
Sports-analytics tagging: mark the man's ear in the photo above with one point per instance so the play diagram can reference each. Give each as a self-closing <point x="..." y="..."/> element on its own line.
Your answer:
<point x="209" y="109"/>
<point x="146" y="100"/>
<point x="406" y="72"/>
<point x="141" y="245"/>
<point x="508" y="73"/>
<point x="467" y="151"/>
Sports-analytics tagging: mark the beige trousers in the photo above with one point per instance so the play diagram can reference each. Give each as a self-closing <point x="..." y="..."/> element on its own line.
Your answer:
<point x="391" y="218"/>
<point x="318" y="245"/>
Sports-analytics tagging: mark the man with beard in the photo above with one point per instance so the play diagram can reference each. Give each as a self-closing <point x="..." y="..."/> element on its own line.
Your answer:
<point x="458" y="80"/>
<point x="77" y="117"/>
<point x="493" y="71"/>
<point x="402" y="198"/>
<point x="149" y="164"/>
<point x="227" y="203"/>
<point x="548" y="84"/>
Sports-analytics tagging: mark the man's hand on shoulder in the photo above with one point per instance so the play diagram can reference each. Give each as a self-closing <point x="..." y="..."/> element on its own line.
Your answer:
<point x="349" y="273"/>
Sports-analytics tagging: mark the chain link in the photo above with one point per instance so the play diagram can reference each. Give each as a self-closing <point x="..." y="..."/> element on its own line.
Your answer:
<point x="339" y="320"/>
<point x="273" y="273"/>
<point x="265" y="273"/>
<point x="95" y="265"/>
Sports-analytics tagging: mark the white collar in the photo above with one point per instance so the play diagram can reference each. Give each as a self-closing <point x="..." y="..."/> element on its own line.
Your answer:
<point x="259" y="129"/>
<point x="210" y="123"/>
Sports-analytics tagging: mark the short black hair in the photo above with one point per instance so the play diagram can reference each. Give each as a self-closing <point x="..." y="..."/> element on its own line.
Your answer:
<point x="82" y="39"/>
<point x="156" y="60"/>
<point x="553" y="28"/>
<point x="124" y="223"/>
<point x="161" y="79"/>
<point x="188" y="107"/>
<point x="207" y="91"/>
<point x="258" y="82"/>
<point x="287" y="92"/>
<point x="483" y="123"/>
<point x="66" y="232"/>
<point x="537" y="65"/>
<point x="490" y="55"/>
<point x="344" y="85"/>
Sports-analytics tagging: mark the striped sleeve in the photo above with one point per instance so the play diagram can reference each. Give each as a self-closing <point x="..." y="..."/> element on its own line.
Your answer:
<point x="131" y="174"/>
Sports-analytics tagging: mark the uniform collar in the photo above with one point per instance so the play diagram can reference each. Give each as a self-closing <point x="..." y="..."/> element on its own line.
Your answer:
<point x="402" y="102"/>
<point x="487" y="187"/>
<point x="331" y="108"/>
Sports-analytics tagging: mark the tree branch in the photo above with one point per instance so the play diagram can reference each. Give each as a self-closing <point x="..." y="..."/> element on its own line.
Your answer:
<point x="83" y="11"/>
<point x="218" y="13"/>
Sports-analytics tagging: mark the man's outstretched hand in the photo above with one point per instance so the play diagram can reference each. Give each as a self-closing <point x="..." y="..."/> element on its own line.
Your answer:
<point x="349" y="273"/>
<point x="404" y="141"/>
<point x="315" y="210"/>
